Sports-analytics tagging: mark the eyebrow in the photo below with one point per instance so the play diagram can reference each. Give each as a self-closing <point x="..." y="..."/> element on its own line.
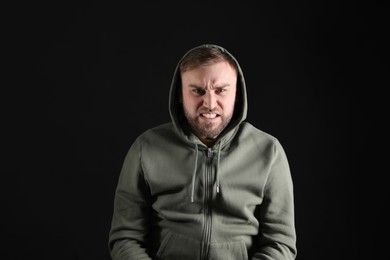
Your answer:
<point x="216" y="87"/>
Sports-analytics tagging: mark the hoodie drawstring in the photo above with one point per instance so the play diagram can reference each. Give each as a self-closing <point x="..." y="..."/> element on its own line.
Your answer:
<point x="217" y="170"/>
<point x="194" y="173"/>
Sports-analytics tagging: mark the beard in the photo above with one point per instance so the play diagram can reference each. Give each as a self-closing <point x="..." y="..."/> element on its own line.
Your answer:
<point x="207" y="130"/>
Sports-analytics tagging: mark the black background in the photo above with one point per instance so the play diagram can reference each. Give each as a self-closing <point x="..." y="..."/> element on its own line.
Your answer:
<point x="86" y="78"/>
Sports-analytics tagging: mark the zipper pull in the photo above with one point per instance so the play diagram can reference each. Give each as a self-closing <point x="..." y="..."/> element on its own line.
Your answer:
<point x="209" y="152"/>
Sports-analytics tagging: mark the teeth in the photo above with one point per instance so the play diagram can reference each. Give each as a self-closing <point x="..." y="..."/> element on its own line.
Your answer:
<point x="210" y="115"/>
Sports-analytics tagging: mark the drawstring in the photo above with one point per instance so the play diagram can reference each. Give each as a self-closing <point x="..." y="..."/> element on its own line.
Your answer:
<point x="217" y="170"/>
<point x="194" y="173"/>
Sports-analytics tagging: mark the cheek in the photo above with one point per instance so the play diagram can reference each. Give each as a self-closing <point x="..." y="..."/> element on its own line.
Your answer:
<point x="228" y="103"/>
<point x="229" y="107"/>
<point x="189" y="104"/>
<point x="191" y="101"/>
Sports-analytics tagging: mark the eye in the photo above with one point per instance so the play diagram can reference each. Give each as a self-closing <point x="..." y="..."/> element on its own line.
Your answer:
<point x="199" y="91"/>
<point x="221" y="90"/>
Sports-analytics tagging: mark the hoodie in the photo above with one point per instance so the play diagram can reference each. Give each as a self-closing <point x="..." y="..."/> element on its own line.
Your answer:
<point x="178" y="199"/>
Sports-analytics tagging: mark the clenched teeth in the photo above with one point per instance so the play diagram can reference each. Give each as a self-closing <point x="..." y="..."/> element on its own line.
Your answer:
<point x="210" y="115"/>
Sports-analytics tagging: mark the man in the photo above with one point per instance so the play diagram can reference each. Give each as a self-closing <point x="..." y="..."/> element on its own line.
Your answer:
<point x="207" y="185"/>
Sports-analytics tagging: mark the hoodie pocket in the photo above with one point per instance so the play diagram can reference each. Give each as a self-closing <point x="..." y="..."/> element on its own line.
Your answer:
<point x="175" y="247"/>
<point x="232" y="250"/>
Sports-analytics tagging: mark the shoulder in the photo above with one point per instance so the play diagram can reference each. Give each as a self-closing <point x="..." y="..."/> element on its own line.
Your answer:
<point x="264" y="142"/>
<point x="158" y="132"/>
<point x="164" y="136"/>
<point x="250" y="135"/>
<point x="247" y="130"/>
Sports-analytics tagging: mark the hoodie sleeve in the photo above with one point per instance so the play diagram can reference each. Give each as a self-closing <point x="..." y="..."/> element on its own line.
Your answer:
<point x="277" y="238"/>
<point x="130" y="221"/>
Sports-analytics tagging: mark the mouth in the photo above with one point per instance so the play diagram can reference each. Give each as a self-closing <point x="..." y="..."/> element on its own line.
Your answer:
<point x="209" y="115"/>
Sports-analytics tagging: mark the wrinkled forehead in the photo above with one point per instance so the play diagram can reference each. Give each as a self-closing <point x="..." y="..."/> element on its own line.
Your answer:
<point x="221" y="73"/>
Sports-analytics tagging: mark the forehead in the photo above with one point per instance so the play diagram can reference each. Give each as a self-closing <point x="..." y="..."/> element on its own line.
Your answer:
<point x="217" y="73"/>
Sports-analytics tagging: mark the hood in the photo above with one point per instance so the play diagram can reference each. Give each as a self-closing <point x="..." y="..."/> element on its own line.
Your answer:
<point x="176" y="110"/>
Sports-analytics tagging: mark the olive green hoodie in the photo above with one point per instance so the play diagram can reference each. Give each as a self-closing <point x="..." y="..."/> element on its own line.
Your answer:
<point x="179" y="199"/>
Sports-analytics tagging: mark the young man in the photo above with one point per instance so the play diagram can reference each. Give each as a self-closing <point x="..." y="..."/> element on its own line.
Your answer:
<point x="207" y="185"/>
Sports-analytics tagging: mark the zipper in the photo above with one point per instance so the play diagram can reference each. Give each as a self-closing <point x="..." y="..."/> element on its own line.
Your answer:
<point x="207" y="205"/>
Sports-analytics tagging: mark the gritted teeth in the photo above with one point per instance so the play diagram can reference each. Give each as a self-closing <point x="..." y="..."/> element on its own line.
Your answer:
<point x="210" y="115"/>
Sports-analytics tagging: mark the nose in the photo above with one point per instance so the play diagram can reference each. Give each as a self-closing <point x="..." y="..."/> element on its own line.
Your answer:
<point x="209" y="100"/>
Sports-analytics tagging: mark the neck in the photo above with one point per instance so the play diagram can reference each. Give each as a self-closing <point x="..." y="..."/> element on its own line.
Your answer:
<point x="207" y="141"/>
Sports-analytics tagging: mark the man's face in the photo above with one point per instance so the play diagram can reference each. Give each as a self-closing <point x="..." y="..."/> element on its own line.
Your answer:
<point x="209" y="94"/>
